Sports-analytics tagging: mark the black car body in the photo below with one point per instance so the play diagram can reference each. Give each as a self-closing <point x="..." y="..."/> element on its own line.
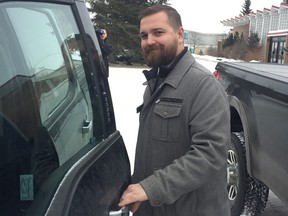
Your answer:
<point x="60" y="151"/>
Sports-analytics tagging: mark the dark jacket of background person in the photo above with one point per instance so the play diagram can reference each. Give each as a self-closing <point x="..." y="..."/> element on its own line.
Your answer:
<point x="181" y="148"/>
<point x="106" y="47"/>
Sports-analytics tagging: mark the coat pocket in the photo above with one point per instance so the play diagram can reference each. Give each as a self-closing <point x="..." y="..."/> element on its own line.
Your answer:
<point x="166" y="121"/>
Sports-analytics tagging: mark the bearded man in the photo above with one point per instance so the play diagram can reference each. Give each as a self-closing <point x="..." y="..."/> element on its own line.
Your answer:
<point x="184" y="130"/>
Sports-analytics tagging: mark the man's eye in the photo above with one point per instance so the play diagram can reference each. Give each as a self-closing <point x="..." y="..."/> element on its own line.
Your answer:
<point x="143" y="37"/>
<point x="158" y="33"/>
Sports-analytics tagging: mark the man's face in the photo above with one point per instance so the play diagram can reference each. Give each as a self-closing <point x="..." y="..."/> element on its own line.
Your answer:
<point x="104" y="34"/>
<point x="160" y="43"/>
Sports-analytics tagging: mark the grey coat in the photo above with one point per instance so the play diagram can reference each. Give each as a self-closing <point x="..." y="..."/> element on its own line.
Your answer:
<point x="181" y="154"/>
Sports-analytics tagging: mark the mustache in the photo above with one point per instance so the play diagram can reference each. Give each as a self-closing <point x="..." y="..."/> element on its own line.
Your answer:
<point x="152" y="48"/>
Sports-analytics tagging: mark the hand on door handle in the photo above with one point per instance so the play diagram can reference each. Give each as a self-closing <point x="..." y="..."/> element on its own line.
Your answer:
<point x="124" y="211"/>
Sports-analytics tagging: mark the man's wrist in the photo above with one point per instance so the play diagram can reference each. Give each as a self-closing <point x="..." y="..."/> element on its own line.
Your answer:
<point x="149" y="185"/>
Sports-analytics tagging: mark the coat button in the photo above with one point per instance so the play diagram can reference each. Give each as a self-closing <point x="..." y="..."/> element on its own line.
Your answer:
<point x="157" y="203"/>
<point x="165" y="113"/>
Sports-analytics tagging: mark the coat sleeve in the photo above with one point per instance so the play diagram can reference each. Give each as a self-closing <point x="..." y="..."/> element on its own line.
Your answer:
<point x="209" y="127"/>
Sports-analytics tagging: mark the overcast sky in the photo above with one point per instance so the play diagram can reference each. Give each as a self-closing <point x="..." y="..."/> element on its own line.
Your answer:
<point x="205" y="16"/>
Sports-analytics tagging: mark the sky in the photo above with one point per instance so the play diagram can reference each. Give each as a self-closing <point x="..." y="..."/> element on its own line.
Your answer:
<point x="205" y="16"/>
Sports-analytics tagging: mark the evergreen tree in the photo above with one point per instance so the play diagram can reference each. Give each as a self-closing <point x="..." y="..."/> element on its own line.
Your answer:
<point x="120" y="19"/>
<point x="242" y="37"/>
<point x="236" y="37"/>
<point x="253" y="40"/>
<point x="229" y="41"/>
<point x="246" y="7"/>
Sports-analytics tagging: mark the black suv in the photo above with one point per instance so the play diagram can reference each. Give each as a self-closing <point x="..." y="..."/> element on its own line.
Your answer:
<point x="60" y="151"/>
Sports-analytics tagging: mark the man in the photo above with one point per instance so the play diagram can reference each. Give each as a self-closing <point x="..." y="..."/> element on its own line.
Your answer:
<point x="106" y="48"/>
<point x="180" y="162"/>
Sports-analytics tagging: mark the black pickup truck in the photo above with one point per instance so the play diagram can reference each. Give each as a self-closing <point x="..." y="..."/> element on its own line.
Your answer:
<point x="258" y="155"/>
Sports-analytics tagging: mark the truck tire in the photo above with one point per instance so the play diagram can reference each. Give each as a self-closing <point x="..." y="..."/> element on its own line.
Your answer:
<point x="247" y="195"/>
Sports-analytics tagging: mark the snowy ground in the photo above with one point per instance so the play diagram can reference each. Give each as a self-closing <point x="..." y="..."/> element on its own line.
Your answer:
<point x="126" y="85"/>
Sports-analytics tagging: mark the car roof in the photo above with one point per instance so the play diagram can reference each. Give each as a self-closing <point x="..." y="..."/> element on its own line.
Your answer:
<point x="48" y="1"/>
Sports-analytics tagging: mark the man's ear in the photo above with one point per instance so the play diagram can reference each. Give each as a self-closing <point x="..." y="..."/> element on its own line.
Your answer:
<point x="181" y="33"/>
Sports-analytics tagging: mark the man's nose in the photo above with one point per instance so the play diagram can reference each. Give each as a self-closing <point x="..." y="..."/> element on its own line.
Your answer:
<point x="150" y="39"/>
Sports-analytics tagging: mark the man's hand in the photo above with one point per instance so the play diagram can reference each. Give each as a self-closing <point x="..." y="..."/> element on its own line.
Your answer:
<point x="133" y="195"/>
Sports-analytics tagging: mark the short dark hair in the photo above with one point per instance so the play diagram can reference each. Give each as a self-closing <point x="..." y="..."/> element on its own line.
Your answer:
<point x="172" y="14"/>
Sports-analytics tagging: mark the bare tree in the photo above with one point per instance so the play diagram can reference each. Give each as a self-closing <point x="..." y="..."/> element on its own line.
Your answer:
<point x="195" y="39"/>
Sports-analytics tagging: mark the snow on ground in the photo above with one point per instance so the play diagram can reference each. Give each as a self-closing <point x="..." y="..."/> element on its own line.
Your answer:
<point x="127" y="90"/>
<point x="126" y="85"/>
<point x="210" y="61"/>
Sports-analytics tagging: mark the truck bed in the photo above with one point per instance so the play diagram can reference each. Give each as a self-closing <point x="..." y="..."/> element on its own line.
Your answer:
<point x="272" y="76"/>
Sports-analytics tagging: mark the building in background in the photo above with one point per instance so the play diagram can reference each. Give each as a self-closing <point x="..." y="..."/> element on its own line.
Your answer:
<point x="202" y="43"/>
<point x="271" y="25"/>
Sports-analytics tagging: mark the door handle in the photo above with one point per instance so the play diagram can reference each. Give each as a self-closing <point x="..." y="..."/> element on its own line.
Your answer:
<point x="87" y="125"/>
<point x="124" y="211"/>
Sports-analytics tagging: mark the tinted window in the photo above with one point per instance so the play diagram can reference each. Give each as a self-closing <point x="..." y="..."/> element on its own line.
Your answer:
<point x="45" y="108"/>
<point x="41" y="40"/>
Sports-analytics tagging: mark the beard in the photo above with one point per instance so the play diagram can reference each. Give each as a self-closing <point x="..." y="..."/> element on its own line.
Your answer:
<point x="159" y="55"/>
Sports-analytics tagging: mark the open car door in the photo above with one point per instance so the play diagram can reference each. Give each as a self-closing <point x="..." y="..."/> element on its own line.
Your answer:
<point x="60" y="152"/>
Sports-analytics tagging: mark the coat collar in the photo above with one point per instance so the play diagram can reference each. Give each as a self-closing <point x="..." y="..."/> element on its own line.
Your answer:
<point x="173" y="79"/>
<point x="180" y="69"/>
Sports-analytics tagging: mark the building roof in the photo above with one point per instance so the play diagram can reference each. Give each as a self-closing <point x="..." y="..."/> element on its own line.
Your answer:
<point x="242" y="20"/>
<point x="278" y="32"/>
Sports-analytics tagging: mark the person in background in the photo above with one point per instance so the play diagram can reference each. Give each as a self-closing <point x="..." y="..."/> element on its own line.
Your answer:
<point x="181" y="154"/>
<point x="106" y="47"/>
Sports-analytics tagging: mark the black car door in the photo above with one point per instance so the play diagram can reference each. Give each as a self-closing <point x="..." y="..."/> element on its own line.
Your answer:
<point x="60" y="151"/>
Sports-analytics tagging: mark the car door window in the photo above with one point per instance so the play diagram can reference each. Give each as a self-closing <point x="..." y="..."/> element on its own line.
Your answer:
<point x="43" y="48"/>
<point x="45" y="107"/>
